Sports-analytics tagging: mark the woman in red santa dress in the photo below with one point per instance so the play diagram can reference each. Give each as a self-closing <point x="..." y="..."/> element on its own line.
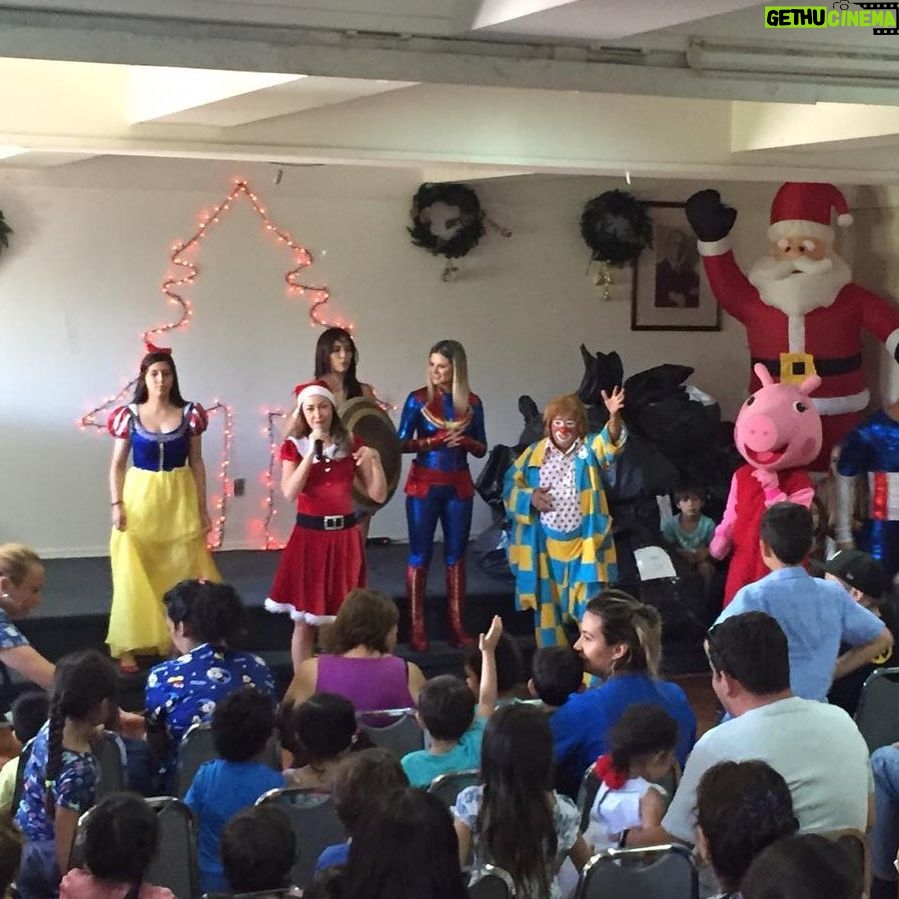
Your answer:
<point x="324" y="558"/>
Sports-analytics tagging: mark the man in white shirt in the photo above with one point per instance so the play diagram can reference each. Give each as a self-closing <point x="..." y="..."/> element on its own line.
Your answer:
<point x="815" y="747"/>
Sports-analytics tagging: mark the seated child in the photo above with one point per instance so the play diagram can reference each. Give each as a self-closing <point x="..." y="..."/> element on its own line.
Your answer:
<point x="641" y="745"/>
<point x="324" y="731"/>
<point x="258" y="850"/>
<point x="362" y="779"/>
<point x="119" y="843"/>
<point x="242" y="725"/>
<point x="690" y="532"/>
<point x="29" y="712"/>
<point x="446" y="711"/>
<point x="509" y="671"/>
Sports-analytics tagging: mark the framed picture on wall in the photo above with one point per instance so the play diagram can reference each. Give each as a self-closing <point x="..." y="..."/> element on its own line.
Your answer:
<point x="670" y="290"/>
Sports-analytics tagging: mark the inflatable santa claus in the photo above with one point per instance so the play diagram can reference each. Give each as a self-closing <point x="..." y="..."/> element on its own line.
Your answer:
<point x="802" y="313"/>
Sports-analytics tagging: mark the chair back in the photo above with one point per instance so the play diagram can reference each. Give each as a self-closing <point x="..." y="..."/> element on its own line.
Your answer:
<point x="855" y="843"/>
<point x="491" y="882"/>
<point x="24" y="755"/>
<point x="195" y="749"/>
<point x="263" y="894"/>
<point x="112" y="761"/>
<point x="393" y="729"/>
<point x="446" y="787"/>
<point x="174" y="865"/>
<point x="877" y="715"/>
<point x="586" y="795"/>
<point x="315" y="823"/>
<point x="657" y="872"/>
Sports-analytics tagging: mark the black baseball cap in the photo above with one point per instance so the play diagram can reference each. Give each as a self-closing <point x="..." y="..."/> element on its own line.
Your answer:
<point x="858" y="569"/>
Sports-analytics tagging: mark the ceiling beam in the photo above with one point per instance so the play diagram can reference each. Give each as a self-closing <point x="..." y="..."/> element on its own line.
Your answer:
<point x="302" y="51"/>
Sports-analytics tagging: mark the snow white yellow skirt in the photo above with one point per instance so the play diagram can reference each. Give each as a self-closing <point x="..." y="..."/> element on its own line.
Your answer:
<point x="163" y="543"/>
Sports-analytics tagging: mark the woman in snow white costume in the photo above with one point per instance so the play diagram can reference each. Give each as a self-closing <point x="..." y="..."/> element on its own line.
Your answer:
<point x="442" y="423"/>
<point x="159" y="514"/>
<point x="324" y="558"/>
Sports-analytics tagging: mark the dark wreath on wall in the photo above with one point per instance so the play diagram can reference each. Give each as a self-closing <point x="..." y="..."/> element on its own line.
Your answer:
<point x="447" y="219"/>
<point x="5" y="231"/>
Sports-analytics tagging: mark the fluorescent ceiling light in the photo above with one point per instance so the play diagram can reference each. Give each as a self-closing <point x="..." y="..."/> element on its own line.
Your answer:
<point x="824" y="64"/>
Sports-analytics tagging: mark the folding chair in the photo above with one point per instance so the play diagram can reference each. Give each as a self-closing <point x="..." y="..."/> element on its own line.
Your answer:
<point x="112" y="760"/>
<point x="24" y="755"/>
<point x="314" y="822"/>
<point x="855" y="843"/>
<point x="657" y="872"/>
<point x="877" y="715"/>
<point x="175" y="863"/>
<point x="491" y="882"/>
<point x="263" y="894"/>
<point x="393" y="729"/>
<point x="195" y="749"/>
<point x="446" y="787"/>
<point x="586" y="796"/>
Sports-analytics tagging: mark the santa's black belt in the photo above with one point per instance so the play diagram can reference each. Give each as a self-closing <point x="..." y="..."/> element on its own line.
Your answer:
<point x="326" y="522"/>
<point x="824" y="367"/>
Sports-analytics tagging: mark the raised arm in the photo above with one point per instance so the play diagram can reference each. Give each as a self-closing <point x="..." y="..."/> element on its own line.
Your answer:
<point x="488" y="690"/>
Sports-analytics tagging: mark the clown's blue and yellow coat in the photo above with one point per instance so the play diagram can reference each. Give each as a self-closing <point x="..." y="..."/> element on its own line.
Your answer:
<point x="594" y="547"/>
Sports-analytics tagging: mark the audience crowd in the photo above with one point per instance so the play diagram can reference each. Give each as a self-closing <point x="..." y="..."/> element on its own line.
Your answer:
<point x="594" y="751"/>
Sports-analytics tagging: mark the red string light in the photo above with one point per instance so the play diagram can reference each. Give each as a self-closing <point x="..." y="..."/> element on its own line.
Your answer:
<point x="185" y="274"/>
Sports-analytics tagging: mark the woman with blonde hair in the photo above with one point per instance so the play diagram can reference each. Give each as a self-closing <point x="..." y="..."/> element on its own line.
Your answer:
<point x="21" y="584"/>
<point x="620" y="642"/>
<point x="441" y="423"/>
<point x="561" y="550"/>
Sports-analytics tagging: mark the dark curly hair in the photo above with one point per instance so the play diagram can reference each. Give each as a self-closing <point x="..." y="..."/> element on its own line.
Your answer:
<point x="258" y="848"/>
<point x="242" y="724"/>
<point x="121" y="836"/>
<point x="212" y="613"/>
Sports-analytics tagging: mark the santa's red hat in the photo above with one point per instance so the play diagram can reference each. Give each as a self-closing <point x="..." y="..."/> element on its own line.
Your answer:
<point x="804" y="208"/>
<point x="313" y="388"/>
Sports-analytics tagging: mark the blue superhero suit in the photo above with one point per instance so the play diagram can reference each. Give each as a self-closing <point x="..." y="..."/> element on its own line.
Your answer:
<point x="439" y="488"/>
<point x="872" y="449"/>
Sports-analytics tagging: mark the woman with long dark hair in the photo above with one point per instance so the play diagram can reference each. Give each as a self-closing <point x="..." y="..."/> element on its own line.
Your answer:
<point x="514" y="818"/>
<point x="336" y="358"/>
<point x="404" y="847"/>
<point x="159" y="514"/>
<point x="442" y="423"/>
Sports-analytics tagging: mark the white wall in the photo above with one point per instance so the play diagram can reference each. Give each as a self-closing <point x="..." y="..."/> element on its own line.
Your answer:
<point x="91" y="246"/>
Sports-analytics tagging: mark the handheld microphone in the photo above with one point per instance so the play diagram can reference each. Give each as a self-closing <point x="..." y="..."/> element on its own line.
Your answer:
<point x="318" y="450"/>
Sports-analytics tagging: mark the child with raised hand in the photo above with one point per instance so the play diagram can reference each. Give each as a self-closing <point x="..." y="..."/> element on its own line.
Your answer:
<point x="446" y="711"/>
<point x="60" y="777"/>
<point x="514" y="818"/>
<point x="641" y="745"/>
<point x="323" y="729"/>
<point x="242" y="725"/>
<point x="119" y="843"/>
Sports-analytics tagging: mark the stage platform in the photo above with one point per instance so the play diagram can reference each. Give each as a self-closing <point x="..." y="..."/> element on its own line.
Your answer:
<point x="77" y="594"/>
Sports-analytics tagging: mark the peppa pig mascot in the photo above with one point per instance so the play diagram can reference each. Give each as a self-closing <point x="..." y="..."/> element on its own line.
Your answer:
<point x="778" y="433"/>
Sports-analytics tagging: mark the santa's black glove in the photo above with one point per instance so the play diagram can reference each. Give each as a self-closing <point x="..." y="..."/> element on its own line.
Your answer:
<point x="709" y="218"/>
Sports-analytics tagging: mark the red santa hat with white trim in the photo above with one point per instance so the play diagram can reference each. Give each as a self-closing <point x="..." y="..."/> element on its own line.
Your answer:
<point x="313" y="388"/>
<point x="804" y="208"/>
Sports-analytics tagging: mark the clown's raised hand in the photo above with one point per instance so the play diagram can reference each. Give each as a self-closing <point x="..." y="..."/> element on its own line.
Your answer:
<point x="614" y="401"/>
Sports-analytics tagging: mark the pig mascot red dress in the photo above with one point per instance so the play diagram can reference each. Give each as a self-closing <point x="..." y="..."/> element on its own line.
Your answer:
<point x="778" y="433"/>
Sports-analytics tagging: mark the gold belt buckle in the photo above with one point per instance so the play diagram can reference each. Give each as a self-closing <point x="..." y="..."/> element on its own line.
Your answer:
<point x="796" y="367"/>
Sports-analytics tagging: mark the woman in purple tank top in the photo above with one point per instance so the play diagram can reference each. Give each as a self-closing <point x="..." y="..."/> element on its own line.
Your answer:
<point x="359" y="662"/>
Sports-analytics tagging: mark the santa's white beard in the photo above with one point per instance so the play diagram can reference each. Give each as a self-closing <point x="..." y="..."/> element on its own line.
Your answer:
<point x="816" y="283"/>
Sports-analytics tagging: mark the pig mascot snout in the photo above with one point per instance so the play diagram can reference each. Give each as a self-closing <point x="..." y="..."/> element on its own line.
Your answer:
<point x="778" y="433"/>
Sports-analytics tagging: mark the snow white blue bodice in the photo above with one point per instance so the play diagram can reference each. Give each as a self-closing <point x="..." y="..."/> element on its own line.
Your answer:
<point x="153" y="451"/>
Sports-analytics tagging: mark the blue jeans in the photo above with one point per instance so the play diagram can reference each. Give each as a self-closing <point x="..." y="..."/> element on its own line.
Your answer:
<point x="885" y="835"/>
